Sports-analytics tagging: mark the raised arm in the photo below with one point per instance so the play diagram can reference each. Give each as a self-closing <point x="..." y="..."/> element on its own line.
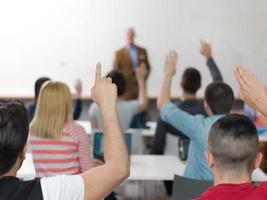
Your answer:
<point x="78" y="101"/>
<point x="141" y="73"/>
<point x="206" y="51"/>
<point x="101" y="180"/>
<point x="251" y="90"/>
<point x="169" y="72"/>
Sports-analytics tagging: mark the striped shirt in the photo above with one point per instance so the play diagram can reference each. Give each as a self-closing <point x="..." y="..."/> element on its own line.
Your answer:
<point x="71" y="154"/>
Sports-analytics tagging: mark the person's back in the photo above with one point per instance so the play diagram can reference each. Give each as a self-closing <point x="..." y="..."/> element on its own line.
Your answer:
<point x="58" y="144"/>
<point x="66" y="155"/>
<point x="126" y="110"/>
<point x="14" y="188"/>
<point x="245" y="191"/>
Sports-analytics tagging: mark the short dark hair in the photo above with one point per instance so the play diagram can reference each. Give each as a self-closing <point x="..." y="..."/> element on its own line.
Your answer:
<point x="38" y="84"/>
<point x="220" y="97"/>
<point x="118" y="78"/>
<point x="14" y="129"/>
<point x="234" y="142"/>
<point x="191" y="80"/>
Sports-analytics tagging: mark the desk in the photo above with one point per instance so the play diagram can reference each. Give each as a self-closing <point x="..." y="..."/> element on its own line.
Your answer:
<point x="143" y="167"/>
<point x="155" y="167"/>
<point x="145" y="132"/>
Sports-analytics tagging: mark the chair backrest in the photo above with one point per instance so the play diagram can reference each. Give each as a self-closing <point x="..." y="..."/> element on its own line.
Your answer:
<point x="187" y="189"/>
<point x="98" y="147"/>
<point x="137" y="141"/>
<point x="171" y="145"/>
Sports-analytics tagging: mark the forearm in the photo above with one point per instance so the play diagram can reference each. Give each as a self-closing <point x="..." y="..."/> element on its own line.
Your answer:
<point x="214" y="70"/>
<point x="115" y="151"/>
<point x="165" y="92"/>
<point x="77" y="109"/>
<point x="142" y="94"/>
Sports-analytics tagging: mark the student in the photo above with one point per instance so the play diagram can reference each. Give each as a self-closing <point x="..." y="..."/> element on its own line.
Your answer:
<point x="58" y="144"/>
<point x="218" y="101"/>
<point x="91" y="185"/>
<point x="126" y="108"/>
<point x="37" y="87"/>
<point x="233" y="153"/>
<point x="190" y="83"/>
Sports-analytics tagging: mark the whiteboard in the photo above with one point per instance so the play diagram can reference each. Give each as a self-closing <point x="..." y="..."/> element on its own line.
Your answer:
<point x="63" y="39"/>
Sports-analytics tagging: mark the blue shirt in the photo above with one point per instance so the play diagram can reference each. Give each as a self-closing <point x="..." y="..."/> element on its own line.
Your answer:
<point x="196" y="127"/>
<point x="134" y="55"/>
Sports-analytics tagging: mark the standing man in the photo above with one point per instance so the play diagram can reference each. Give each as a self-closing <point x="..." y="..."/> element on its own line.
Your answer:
<point x="127" y="59"/>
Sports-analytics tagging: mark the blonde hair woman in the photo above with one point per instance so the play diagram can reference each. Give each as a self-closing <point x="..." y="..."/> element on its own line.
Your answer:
<point x="58" y="144"/>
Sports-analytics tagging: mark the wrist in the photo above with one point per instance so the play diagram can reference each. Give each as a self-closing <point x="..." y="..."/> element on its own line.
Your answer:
<point x="140" y="80"/>
<point x="107" y="107"/>
<point x="168" y="76"/>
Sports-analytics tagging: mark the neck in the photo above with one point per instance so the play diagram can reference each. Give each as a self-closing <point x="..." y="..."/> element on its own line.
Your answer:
<point x="232" y="178"/>
<point x="13" y="171"/>
<point x="188" y="96"/>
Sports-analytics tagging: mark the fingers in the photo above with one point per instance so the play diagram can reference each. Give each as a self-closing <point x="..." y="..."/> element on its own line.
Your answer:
<point x="109" y="80"/>
<point x="98" y="72"/>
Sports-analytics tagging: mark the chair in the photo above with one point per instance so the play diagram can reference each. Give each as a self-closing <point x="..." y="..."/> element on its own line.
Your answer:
<point x="187" y="189"/>
<point x="171" y="145"/>
<point x="138" y="146"/>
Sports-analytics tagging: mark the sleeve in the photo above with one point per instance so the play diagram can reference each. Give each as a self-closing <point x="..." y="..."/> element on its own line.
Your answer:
<point x="84" y="150"/>
<point x="77" y="109"/>
<point x="183" y="121"/>
<point x="63" y="187"/>
<point x="214" y="70"/>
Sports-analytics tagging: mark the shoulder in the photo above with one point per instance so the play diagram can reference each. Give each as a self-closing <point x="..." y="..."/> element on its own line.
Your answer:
<point x="141" y="49"/>
<point x="74" y="128"/>
<point x="121" y="50"/>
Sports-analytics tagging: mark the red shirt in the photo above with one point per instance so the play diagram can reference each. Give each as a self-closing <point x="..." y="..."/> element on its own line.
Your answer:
<point x="245" y="191"/>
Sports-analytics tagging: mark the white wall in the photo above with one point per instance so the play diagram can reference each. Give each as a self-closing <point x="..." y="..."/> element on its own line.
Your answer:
<point x="63" y="39"/>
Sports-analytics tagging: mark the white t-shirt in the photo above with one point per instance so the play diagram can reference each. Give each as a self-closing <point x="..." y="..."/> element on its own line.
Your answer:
<point x="63" y="187"/>
<point x="126" y="111"/>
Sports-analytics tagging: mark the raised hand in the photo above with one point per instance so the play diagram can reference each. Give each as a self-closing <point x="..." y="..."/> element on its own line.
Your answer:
<point x="250" y="89"/>
<point x="205" y="49"/>
<point x="170" y="63"/>
<point x="141" y="72"/>
<point x="104" y="92"/>
<point x="78" y="87"/>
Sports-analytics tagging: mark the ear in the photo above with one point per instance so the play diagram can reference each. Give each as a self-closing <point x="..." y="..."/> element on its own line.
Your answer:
<point x="22" y="155"/>
<point x="258" y="160"/>
<point x="210" y="159"/>
<point x="207" y="108"/>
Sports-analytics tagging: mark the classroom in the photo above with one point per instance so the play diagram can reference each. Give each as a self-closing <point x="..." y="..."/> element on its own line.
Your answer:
<point x="133" y="100"/>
